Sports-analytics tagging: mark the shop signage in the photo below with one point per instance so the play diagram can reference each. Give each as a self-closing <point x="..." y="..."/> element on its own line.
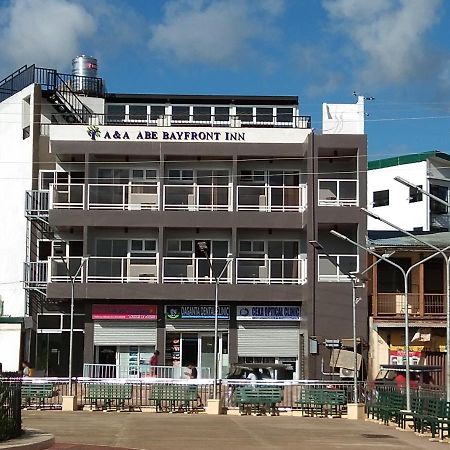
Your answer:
<point x="268" y="313"/>
<point x="196" y="312"/>
<point x="398" y="357"/>
<point x="124" y="312"/>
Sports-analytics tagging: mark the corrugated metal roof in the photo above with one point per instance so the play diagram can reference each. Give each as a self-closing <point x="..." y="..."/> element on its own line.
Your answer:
<point x="439" y="240"/>
<point x="406" y="159"/>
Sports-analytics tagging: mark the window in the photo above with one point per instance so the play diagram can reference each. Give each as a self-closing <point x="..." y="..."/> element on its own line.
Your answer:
<point x="252" y="176"/>
<point x="284" y="115"/>
<point x="264" y="114"/>
<point x="157" y="111"/>
<point x="381" y="198"/>
<point x="221" y="114"/>
<point x="442" y="193"/>
<point x="116" y="113"/>
<point x="181" y="175"/>
<point x="389" y="279"/>
<point x="202" y="113"/>
<point x="180" y="113"/>
<point x="179" y="246"/>
<point x="143" y="174"/>
<point x="253" y="247"/>
<point x="415" y="195"/>
<point x="143" y="247"/>
<point x="138" y="112"/>
<point x="245" y="113"/>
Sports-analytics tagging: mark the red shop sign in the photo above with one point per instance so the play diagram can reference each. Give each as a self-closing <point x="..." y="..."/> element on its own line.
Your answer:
<point x="124" y="312"/>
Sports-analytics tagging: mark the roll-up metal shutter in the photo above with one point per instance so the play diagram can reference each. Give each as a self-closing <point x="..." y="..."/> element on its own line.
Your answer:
<point x="129" y="333"/>
<point x="195" y="325"/>
<point x="268" y="339"/>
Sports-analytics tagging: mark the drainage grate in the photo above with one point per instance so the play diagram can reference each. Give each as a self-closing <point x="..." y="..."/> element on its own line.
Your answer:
<point x="378" y="436"/>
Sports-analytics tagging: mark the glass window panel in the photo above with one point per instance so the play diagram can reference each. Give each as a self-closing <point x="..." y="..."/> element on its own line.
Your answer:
<point x="219" y="249"/>
<point x="138" y="174"/>
<point x="150" y="246"/>
<point x="202" y="113"/>
<point x="222" y="177"/>
<point x="186" y="246"/>
<point x="245" y="113"/>
<point x="49" y="321"/>
<point x="78" y="322"/>
<point x="172" y="245"/>
<point x="291" y="249"/>
<point x="180" y="113"/>
<point x="116" y="113"/>
<point x="156" y="112"/>
<point x="103" y="247"/>
<point x="187" y="175"/>
<point x="381" y="198"/>
<point x="222" y="114"/>
<point x="138" y="112"/>
<point x="284" y="114"/>
<point x="204" y="177"/>
<point x="245" y="246"/>
<point x="119" y="247"/>
<point x="46" y="179"/>
<point x="136" y="245"/>
<point x="150" y="174"/>
<point x="264" y="114"/>
<point x="258" y="246"/>
<point x="275" y="249"/>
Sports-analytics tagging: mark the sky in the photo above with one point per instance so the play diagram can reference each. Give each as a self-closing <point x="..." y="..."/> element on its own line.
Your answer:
<point x="397" y="51"/>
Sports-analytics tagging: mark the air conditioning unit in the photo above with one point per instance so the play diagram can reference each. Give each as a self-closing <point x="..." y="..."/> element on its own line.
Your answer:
<point x="190" y="272"/>
<point x="262" y="203"/>
<point x="346" y="373"/>
<point x="263" y="272"/>
<point x="191" y="202"/>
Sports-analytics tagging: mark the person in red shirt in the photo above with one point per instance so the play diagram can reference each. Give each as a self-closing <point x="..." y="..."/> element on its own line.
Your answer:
<point x="154" y="363"/>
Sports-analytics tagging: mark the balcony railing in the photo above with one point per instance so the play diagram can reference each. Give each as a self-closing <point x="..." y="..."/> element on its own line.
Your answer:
<point x="223" y="120"/>
<point x="66" y="196"/>
<point x="194" y="270"/>
<point x="336" y="267"/>
<point x="124" y="196"/>
<point x="36" y="204"/>
<point x="122" y="269"/>
<point x="198" y="197"/>
<point x="61" y="270"/>
<point x="271" y="271"/>
<point x="271" y="198"/>
<point x="333" y="192"/>
<point x="35" y="274"/>
<point x="393" y="304"/>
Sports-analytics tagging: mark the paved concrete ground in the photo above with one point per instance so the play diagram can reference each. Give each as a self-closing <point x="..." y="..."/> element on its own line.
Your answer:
<point x="201" y="432"/>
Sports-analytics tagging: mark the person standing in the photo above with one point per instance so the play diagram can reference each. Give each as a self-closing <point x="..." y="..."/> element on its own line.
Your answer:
<point x="154" y="363"/>
<point x="26" y="369"/>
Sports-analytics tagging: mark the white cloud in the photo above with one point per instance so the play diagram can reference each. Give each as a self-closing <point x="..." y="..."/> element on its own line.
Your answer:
<point x="388" y="36"/>
<point x="45" y="32"/>
<point x="217" y="32"/>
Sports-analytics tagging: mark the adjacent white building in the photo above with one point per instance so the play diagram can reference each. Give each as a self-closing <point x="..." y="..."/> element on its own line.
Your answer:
<point x="403" y="206"/>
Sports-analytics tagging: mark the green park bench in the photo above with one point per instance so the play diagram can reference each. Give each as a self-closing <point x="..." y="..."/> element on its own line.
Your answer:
<point x="35" y="394"/>
<point x="108" y="394"/>
<point x="173" y="397"/>
<point x="258" y="399"/>
<point x="321" y="401"/>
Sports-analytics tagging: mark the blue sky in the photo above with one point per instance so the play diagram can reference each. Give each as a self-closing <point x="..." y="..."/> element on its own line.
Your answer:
<point x="322" y="50"/>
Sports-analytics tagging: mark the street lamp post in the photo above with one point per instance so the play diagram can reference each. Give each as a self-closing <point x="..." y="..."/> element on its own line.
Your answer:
<point x="447" y="261"/>
<point x="72" y="302"/>
<point x="406" y="303"/>
<point x="204" y="249"/>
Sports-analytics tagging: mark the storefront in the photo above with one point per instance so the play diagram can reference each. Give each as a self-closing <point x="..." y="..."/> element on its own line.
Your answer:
<point x="270" y="334"/>
<point x="124" y="336"/>
<point x="190" y="338"/>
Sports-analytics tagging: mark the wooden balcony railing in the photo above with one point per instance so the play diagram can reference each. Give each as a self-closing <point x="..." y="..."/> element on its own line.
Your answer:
<point x="393" y="305"/>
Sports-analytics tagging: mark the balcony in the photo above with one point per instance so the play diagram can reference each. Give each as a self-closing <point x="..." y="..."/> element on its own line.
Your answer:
<point x="177" y="269"/>
<point x="36" y="204"/>
<point x="270" y="271"/>
<point x="180" y="197"/>
<point x="335" y="268"/>
<point x="392" y="305"/>
<point x="66" y="196"/>
<point x="35" y="274"/>
<point x="124" y="196"/>
<point x="272" y="198"/>
<point x="334" y="192"/>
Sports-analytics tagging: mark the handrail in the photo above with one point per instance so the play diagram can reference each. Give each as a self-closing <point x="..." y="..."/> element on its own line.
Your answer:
<point x="191" y="264"/>
<point x="15" y="73"/>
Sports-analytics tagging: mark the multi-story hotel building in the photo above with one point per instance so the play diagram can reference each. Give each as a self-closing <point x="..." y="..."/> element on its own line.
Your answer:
<point x="113" y="193"/>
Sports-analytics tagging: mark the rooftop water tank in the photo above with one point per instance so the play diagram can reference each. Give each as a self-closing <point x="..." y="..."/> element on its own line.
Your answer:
<point x="84" y="69"/>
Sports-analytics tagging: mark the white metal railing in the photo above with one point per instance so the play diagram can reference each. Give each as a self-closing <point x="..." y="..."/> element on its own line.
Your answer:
<point x="131" y="196"/>
<point x="122" y="269"/>
<point x="334" y="192"/>
<point x="59" y="272"/>
<point x="36" y="203"/>
<point x="141" y="371"/>
<point x="336" y="267"/>
<point x="194" y="270"/>
<point x="66" y="196"/>
<point x="194" y="197"/>
<point x="35" y="273"/>
<point x="271" y="270"/>
<point x="272" y="198"/>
